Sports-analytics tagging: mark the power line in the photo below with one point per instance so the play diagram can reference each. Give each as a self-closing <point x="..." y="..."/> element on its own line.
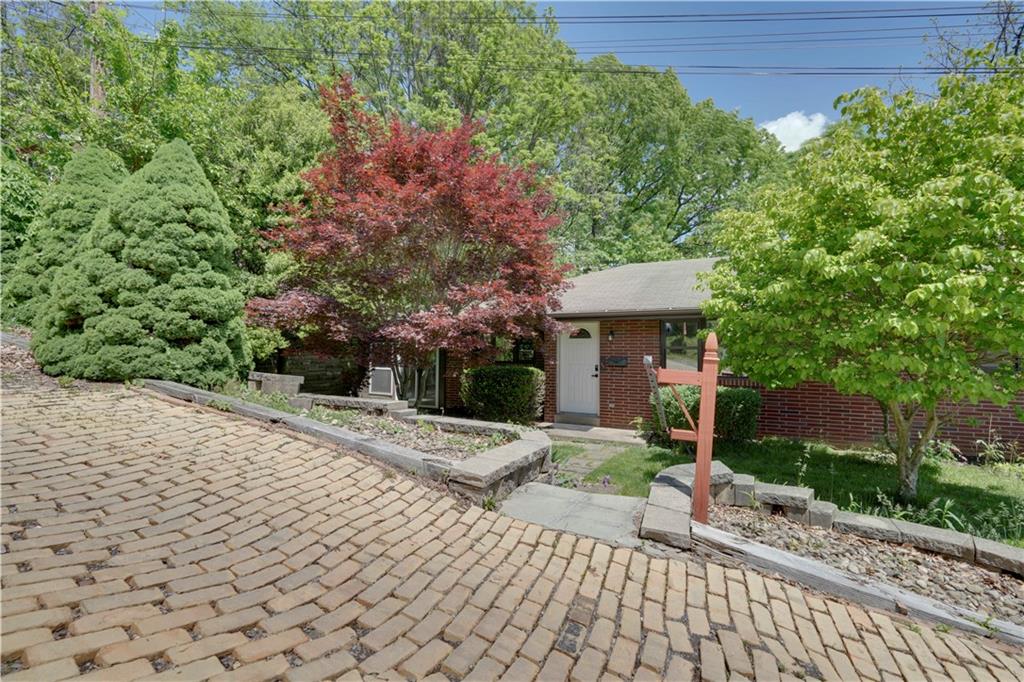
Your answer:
<point x="846" y="42"/>
<point x="704" y="17"/>
<point x="693" y="69"/>
<point x="774" y="34"/>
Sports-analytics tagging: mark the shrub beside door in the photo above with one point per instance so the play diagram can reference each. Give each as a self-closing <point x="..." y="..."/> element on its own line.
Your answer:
<point x="503" y="393"/>
<point x="736" y="411"/>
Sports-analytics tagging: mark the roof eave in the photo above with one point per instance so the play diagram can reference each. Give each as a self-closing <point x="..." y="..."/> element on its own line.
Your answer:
<point x="624" y="314"/>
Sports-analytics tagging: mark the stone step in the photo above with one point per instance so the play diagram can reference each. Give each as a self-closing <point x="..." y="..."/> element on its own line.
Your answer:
<point x="403" y="412"/>
<point x="605" y="517"/>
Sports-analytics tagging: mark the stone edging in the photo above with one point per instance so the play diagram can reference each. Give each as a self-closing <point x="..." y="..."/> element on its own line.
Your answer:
<point x="667" y="519"/>
<point x="491" y="473"/>
<point x="798" y="504"/>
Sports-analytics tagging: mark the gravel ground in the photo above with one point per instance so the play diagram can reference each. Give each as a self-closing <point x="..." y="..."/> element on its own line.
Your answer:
<point x="999" y="595"/>
<point x="423" y="437"/>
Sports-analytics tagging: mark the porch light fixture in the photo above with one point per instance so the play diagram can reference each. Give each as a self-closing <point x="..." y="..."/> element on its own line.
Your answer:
<point x="611" y="334"/>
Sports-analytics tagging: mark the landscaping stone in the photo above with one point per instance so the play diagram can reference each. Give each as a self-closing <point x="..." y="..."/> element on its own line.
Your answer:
<point x="997" y="555"/>
<point x="783" y="495"/>
<point x="669" y="497"/>
<point x="866" y="526"/>
<point x="666" y="525"/>
<point x="490" y="472"/>
<point x="498" y="471"/>
<point x="798" y="515"/>
<point x="743" y="490"/>
<point x="684" y="473"/>
<point x="939" y="540"/>
<point x="269" y="382"/>
<point x="725" y="494"/>
<point x="374" y="405"/>
<point x="821" y="514"/>
<point x="941" y="577"/>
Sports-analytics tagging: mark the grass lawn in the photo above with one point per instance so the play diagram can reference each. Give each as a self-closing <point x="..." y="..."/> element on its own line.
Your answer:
<point x="976" y="492"/>
<point x="561" y="450"/>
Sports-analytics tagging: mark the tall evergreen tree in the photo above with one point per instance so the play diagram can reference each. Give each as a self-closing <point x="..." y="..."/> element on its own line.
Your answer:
<point x="150" y="294"/>
<point x="66" y="212"/>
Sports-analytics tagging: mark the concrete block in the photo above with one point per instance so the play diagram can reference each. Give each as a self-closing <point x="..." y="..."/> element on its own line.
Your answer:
<point x="301" y="402"/>
<point x="783" y="495"/>
<point x="798" y="515"/>
<point x="743" y="490"/>
<point x="992" y="554"/>
<point x="669" y="497"/>
<point x="725" y="495"/>
<point x="269" y="382"/>
<point x="667" y="526"/>
<point x="874" y="527"/>
<point x="940" y="540"/>
<point x="821" y="514"/>
<point x="684" y="473"/>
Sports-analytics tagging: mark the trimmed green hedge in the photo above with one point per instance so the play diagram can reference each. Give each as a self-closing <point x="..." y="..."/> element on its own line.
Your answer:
<point x="736" y="411"/>
<point x="503" y="393"/>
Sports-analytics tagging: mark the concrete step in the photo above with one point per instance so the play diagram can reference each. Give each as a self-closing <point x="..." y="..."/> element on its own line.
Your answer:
<point x="612" y="518"/>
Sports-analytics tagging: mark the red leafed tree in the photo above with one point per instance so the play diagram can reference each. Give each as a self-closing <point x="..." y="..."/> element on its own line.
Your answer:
<point x="409" y="241"/>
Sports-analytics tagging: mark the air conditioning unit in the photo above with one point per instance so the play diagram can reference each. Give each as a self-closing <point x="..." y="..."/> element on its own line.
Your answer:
<point x="382" y="382"/>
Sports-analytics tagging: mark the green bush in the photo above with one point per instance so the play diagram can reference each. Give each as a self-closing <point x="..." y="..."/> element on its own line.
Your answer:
<point x="736" y="411"/>
<point x="503" y="393"/>
<point x="150" y="292"/>
<point x="63" y="218"/>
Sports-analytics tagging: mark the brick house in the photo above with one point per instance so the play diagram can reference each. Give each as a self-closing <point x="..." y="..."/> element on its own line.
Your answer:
<point x="595" y="373"/>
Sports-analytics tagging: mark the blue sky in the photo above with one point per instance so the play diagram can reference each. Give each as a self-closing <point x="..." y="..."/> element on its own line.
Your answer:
<point x="878" y="42"/>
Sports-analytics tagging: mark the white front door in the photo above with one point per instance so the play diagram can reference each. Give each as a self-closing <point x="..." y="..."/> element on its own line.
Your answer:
<point x="578" y="369"/>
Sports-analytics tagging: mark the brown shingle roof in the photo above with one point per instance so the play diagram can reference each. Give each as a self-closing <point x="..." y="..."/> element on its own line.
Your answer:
<point x="642" y="289"/>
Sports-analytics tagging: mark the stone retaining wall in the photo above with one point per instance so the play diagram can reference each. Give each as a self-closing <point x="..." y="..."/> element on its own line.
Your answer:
<point x="492" y="473"/>
<point x="667" y="518"/>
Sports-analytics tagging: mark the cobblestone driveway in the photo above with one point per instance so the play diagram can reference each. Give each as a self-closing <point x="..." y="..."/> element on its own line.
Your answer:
<point x="147" y="538"/>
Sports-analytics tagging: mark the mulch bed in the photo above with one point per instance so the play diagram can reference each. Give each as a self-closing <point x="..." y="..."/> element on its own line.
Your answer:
<point x="426" y="438"/>
<point x="999" y="595"/>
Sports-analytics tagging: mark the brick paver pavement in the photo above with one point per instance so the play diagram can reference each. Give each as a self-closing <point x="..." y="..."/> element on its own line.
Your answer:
<point x="148" y="538"/>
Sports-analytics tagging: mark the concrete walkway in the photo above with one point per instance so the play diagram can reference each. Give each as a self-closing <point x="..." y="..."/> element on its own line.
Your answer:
<point x="148" y="539"/>
<point x="611" y="518"/>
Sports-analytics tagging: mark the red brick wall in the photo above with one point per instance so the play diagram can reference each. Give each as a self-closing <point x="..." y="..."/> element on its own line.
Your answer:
<point x="549" y="351"/>
<point x="815" y="410"/>
<point x="452" y="382"/>
<point x="625" y="391"/>
<point x="811" y="410"/>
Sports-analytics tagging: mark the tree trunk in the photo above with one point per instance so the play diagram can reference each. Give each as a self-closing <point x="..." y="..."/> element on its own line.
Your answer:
<point x="909" y="455"/>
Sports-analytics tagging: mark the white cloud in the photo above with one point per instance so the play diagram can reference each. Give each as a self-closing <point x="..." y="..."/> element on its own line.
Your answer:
<point x="795" y="128"/>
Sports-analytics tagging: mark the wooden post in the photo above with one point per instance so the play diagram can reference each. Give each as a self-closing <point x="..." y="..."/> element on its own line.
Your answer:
<point x="705" y="432"/>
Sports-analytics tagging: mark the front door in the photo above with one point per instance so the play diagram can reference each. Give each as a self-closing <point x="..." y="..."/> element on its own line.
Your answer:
<point x="578" y="369"/>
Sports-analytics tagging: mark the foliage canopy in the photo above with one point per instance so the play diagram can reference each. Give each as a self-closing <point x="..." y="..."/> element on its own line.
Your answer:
<point x="150" y="294"/>
<point x="64" y="216"/>
<point x="410" y="240"/>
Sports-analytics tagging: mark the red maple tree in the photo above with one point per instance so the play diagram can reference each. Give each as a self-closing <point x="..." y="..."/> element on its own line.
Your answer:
<point x="410" y="240"/>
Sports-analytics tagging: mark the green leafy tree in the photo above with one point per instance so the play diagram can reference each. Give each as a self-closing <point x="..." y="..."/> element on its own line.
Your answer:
<point x="151" y="294"/>
<point x="891" y="264"/>
<point x="65" y="215"/>
<point x="647" y="166"/>
<point x="20" y="193"/>
<point x="251" y="139"/>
